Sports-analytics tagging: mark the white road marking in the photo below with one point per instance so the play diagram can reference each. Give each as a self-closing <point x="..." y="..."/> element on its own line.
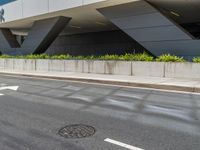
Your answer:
<point x="130" y="147"/>
<point x="14" y="88"/>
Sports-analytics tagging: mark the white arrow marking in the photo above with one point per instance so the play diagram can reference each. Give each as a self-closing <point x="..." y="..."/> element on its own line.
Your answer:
<point x="14" y="88"/>
<point x="130" y="147"/>
<point x="1" y="94"/>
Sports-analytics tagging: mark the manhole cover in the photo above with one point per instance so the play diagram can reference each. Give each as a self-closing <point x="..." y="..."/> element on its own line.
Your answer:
<point x="77" y="131"/>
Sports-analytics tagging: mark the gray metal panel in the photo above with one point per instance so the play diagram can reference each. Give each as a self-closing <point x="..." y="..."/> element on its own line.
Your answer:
<point x="142" y="21"/>
<point x="11" y="39"/>
<point x="3" y="41"/>
<point x="162" y="33"/>
<point x="125" y="10"/>
<point x="180" y="48"/>
<point x="41" y="36"/>
<point x="153" y="31"/>
<point x="43" y="33"/>
<point x="97" y="43"/>
<point x="7" y="39"/>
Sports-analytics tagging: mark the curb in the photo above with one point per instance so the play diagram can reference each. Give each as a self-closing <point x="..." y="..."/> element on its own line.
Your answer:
<point x="112" y="82"/>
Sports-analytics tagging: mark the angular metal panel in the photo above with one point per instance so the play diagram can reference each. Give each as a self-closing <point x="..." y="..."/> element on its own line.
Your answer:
<point x="162" y="33"/>
<point x="43" y="33"/>
<point x="152" y="29"/>
<point x="41" y="36"/>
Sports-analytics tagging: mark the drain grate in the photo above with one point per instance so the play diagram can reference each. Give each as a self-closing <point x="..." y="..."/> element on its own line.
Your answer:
<point x="77" y="131"/>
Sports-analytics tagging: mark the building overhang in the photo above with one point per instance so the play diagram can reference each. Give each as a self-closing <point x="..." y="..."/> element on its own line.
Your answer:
<point x="86" y="18"/>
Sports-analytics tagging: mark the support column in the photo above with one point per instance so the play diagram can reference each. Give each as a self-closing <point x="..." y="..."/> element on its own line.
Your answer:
<point x="40" y="37"/>
<point x="150" y="28"/>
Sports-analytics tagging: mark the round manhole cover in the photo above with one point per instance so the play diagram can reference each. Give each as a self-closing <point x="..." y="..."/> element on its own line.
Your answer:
<point x="77" y="131"/>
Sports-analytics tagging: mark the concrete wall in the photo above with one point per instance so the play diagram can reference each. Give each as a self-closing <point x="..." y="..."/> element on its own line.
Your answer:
<point x="127" y="68"/>
<point x="99" y="43"/>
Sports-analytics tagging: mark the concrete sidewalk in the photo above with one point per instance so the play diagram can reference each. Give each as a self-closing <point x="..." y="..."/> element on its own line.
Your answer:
<point x="186" y="85"/>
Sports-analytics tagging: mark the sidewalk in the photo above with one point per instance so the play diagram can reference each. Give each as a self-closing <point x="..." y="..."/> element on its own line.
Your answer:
<point x="186" y="85"/>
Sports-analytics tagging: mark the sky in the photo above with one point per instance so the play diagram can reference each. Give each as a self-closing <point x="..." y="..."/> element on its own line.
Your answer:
<point x="5" y="1"/>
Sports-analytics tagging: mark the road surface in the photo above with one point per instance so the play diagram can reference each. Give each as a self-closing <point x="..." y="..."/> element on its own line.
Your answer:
<point x="32" y="111"/>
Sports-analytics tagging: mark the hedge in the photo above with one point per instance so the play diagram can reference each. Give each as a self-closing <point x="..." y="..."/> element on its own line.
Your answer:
<point x="125" y="57"/>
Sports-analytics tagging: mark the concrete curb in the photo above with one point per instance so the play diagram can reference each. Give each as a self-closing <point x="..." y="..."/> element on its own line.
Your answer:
<point x="114" y="82"/>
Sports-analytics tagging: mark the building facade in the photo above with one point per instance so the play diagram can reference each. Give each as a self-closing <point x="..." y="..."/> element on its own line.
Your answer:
<point x="94" y="27"/>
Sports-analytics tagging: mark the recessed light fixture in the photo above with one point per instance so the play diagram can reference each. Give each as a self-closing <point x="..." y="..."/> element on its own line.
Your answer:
<point x="77" y="27"/>
<point x="101" y="23"/>
<point x="175" y="13"/>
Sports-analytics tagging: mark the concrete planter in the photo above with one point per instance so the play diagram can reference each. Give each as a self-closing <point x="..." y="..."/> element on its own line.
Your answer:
<point x="182" y="70"/>
<point x="118" y="67"/>
<point x="128" y="68"/>
<point x="73" y="66"/>
<point x="150" y="69"/>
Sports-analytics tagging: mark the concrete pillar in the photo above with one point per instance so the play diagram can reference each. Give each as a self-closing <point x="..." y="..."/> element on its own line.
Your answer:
<point x="40" y="37"/>
<point x="153" y="30"/>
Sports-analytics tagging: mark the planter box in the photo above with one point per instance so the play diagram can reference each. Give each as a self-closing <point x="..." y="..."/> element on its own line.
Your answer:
<point x="118" y="67"/>
<point x="96" y="67"/>
<point x="9" y="64"/>
<point x="56" y="65"/>
<point x="128" y="68"/>
<point x="149" y="69"/>
<point x="41" y="65"/>
<point x="29" y="65"/>
<point x="73" y="66"/>
<point x="182" y="70"/>
<point x="2" y="64"/>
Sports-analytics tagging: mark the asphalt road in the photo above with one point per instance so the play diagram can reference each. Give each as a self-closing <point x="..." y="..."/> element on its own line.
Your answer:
<point x="31" y="117"/>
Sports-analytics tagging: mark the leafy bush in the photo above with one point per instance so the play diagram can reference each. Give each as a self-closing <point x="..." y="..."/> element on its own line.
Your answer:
<point x="6" y="56"/>
<point x="37" y="56"/>
<point x="126" y="57"/>
<point x="170" y="58"/>
<point x="109" y="57"/>
<point x="138" y="57"/>
<point x="60" y="57"/>
<point x="196" y="59"/>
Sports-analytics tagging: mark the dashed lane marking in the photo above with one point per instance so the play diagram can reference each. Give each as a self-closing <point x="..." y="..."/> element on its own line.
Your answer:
<point x="130" y="147"/>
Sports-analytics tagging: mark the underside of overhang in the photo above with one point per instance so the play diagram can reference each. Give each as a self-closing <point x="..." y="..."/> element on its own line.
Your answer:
<point x="88" y="19"/>
<point x="184" y="12"/>
<point x="84" y="19"/>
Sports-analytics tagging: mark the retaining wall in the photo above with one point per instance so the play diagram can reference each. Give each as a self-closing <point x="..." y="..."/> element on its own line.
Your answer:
<point x="129" y="68"/>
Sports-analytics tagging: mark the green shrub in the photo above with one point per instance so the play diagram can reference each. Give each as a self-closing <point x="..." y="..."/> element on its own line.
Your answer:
<point x="109" y="57"/>
<point x="138" y="57"/>
<point x="60" y="57"/>
<point x="196" y="59"/>
<point x="170" y="58"/>
<point x="35" y="56"/>
<point x="128" y="57"/>
<point x="125" y="57"/>
<point x="6" y="56"/>
<point x="92" y="57"/>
